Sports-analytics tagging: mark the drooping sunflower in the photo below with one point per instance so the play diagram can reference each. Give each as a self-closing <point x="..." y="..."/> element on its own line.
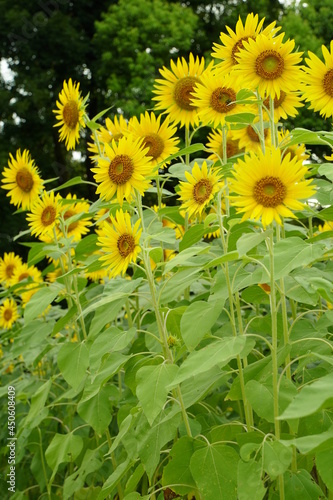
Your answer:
<point x="22" y="180"/>
<point x="120" y="243"/>
<point x="8" y="314"/>
<point x="44" y="214"/>
<point x="317" y="82"/>
<point x="70" y="114"/>
<point x="232" y="43"/>
<point x="270" y="65"/>
<point x="125" y="170"/>
<point x="295" y="150"/>
<point x="71" y="207"/>
<point x="269" y="187"/>
<point x="114" y="130"/>
<point x="215" y="143"/>
<point x="156" y="136"/>
<point x="174" y="92"/>
<point x="285" y="106"/>
<point x="249" y="139"/>
<point x="199" y="190"/>
<point x="8" y="263"/>
<point x="215" y="98"/>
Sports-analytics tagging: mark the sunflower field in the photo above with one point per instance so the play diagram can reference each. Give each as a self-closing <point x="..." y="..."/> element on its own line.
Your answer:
<point x="173" y="337"/>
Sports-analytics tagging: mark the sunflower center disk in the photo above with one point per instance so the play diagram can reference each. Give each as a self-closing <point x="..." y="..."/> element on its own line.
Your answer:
<point x="222" y="99"/>
<point x="269" y="65"/>
<point x="183" y="92"/>
<point x="155" y="145"/>
<point x="277" y="101"/>
<point x="269" y="192"/>
<point x="121" y="169"/>
<point x="253" y="134"/>
<point x="70" y="114"/>
<point x="8" y="314"/>
<point x="23" y="276"/>
<point x="126" y="244"/>
<point x="67" y="215"/>
<point x="24" y="180"/>
<point x="48" y="216"/>
<point x="328" y="83"/>
<point x="238" y="46"/>
<point x="232" y="148"/>
<point x="202" y="191"/>
<point x="9" y="270"/>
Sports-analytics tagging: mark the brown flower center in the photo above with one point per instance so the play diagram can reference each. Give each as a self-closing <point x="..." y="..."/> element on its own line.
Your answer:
<point x="155" y="145"/>
<point x="23" y="276"/>
<point x="269" y="65"/>
<point x="69" y="213"/>
<point x="8" y="314"/>
<point x="269" y="192"/>
<point x="10" y="270"/>
<point x="24" y="180"/>
<point x="121" y="169"/>
<point x="126" y="244"/>
<point x="48" y="216"/>
<point x="253" y="134"/>
<point x="277" y="101"/>
<point x="202" y="191"/>
<point x="232" y="148"/>
<point x="238" y="46"/>
<point x="70" y="114"/>
<point x="182" y="93"/>
<point x="328" y="82"/>
<point x="222" y="99"/>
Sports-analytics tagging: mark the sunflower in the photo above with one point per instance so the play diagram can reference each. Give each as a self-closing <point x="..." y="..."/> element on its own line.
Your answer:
<point x="120" y="243"/>
<point x="114" y="130"/>
<point x="22" y="180"/>
<point x="70" y="114"/>
<point x="233" y="42"/>
<point x="44" y="215"/>
<point x="8" y="314"/>
<point x="249" y="139"/>
<point x="296" y="150"/>
<point x="199" y="190"/>
<point x="327" y="226"/>
<point x="8" y="263"/>
<point x="73" y="207"/>
<point x="24" y="272"/>
<point x="174" y="92"/>
<point x="215" y="98"/>
<point x="125" y="170"/>
<point x="155" y="136"/>
<point x="268" y="64"/>
<point x="268" y="187"/>
<point x="216" y="145"/>
<point x="284" y="106"/>
<point x="317" y="82"/>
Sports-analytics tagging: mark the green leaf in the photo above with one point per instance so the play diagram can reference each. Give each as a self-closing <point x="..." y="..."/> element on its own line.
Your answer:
<point x="276" y="458"/>
<point x="73" y="361"/>
<point x="245" y="118"/>
<point x="192" y="236"/>
<point x="133" y="481"/>
<point x="307" y="444"/>
<point x="300" y="485"/>
<point x="96" y="411"/>
<point x="115" y="478"/>
<point x="194" y="148"/>
<point x="173" y="287"/>
<point x="40" y="300"/>
<point x="249" y="483"/>
<point x="73" y="182"/>
<point x="111" y="340"/>
<point x="177" y="472"/>
<point x="324" y="461"/>
<point x="217" y="353"/>
<point x="311" y="398"/>
<point x="201" y="314"/>
<point x="183" y="257"/>
<point x="38" y="401"/>
<point x="152" y="392"/>
<point x="327" y="170"/>
<point x="248" y="241"/>
<point x="90" y="463"/>
<point x="214" y="469"/>
<point x="63" y="448"/>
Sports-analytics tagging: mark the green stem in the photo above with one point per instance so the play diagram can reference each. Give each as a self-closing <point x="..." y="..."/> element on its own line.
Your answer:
<point x="48" y="485"/>
<point x="187" y="162"/>
<point x="272" y="123"/>
<point x="261" y="124"/>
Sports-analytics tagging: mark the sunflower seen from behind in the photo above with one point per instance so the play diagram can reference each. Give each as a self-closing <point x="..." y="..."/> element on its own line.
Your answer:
<point x="268" y="187"/>
<point x="157" y="136"/>
<point x="174" y="91"/>
<point x="8" y="314"/>
<point x="44" y="215"/>
<point x="22" y="180"/>
<point x="226" y="54"/>
<point x="119" y="242"/>
<point x="70" y="114"/>
<point x="199" y="189"/>
<point x="317" y="82"/>
<point x="124" y="171"/>
<point x="269" y="65"/>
